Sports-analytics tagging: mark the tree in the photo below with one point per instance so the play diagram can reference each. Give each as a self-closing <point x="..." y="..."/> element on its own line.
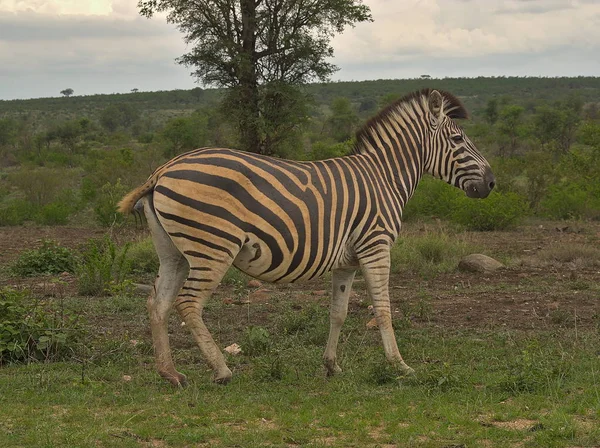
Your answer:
<point x="491" y="111"/>
<point x="122" y="115"/>
<point x="67" y="92"/>
<point x="510" y="125"/>
<point x="558" y="124"/>
<point x="342" y="123"/>
<point x="243" y="45"/>
<point x="135" y="90"/>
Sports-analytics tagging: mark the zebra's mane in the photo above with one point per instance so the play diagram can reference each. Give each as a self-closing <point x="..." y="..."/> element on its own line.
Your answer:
<point x="452" y="107"/>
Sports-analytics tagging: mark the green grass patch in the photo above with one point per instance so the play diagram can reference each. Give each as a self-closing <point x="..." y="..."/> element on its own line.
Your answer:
<point x="430" y="253"/>
<point x="471" y="388"/>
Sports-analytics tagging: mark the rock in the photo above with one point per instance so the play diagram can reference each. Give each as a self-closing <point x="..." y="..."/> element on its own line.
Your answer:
<point x="233" y="349"/>
<point x="254" y="283"/>
<point x="126" y="378"/>
<point x="479" y="263"/>
<point x="372" y="323"/>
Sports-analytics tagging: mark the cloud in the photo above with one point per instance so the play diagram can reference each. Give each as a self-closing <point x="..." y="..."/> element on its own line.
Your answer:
<point x="103" y="46"/>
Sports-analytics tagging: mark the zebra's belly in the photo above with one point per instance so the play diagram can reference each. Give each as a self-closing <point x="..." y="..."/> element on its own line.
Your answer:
<point x="256" y="259"/>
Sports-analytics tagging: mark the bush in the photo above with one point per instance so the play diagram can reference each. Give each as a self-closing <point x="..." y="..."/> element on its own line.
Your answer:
<point x="499" y="211"/>
<point x="56" y="213"/>
<point x="106" y="204"/>
<point x="428" y="254"/>
<point x="571" y="201"/>
<point x="15" y="212"/>
<point x="103" y="267"/>
<point x="49" y="259"/>
<point x="34" y="330"/>
<point x="143" y="258"/>
<point x="432" y="198"/>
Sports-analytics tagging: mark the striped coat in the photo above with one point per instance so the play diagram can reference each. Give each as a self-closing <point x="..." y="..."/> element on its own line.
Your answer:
<point x="284" y="221"/>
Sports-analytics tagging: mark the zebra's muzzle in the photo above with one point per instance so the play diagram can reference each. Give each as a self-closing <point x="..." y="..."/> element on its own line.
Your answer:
<point x="481" y="189"/>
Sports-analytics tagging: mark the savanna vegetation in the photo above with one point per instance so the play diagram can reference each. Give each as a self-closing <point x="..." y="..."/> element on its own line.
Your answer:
<point x="507" y="359"/>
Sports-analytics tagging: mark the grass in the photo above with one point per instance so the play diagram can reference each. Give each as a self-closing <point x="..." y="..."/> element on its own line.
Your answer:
<point x="472" y="388"/>
<point x="579" y="254"/>
<point x="430" y="253"/>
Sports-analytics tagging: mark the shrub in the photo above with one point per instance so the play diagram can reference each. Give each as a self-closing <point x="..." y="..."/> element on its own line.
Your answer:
<point x="432" y="198"/>
<point x="103" y="267"/>
<point x="15" y="212"/>
<point x="106" y="204"/>
<point x="499" y="211"/>
<point x="56" y="213"/>
<point x="428" y="254"/>
<point x="34" y="330"/>
<point x="50" y="258"/>
<point x="570" y="201"/>
<point x="143" y="258"/>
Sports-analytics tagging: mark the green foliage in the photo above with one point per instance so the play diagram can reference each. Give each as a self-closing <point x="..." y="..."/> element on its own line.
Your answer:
<point x="428" y="254"/>
<point x="499" y="211"/>
<point x="491" y="111"/>
<point x="56" y="213"/>
<point x="432" y="198"/>
<point x="343" y="120"/>
<point x="572" y="201"/>
<point x="256" y="341"/>
<point x="119" y="116"/>
<point x="50" y="258"/>
<point x="105" y="209"/>
<point x="322" y="150"/>
<point x="143" y="258"/>
<point x="185" y="133"/>
<point x="556" y="124"/>
<point x="34" y="329"/>
<point x="103" y="267"/>
<point x="15" y="211"/>
<point x="510" y="126"/>
<point x="41" y="186"/>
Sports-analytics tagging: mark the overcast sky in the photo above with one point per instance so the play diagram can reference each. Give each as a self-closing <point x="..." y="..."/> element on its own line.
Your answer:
<point x="103" y="46"/>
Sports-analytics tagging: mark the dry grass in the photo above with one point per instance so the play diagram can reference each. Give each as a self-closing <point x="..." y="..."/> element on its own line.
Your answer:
<point x="577" y="255"/>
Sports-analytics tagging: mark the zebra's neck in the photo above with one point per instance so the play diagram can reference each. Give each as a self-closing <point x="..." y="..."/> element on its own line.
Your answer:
<point x="393" y="141"/>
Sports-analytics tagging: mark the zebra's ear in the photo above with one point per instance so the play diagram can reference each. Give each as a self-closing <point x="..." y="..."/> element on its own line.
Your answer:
<point x="435" y="103"/>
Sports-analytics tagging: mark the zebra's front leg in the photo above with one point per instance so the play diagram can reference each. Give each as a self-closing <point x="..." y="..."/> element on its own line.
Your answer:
<point x="341" y="285"/>
<point x="375" y="266"/>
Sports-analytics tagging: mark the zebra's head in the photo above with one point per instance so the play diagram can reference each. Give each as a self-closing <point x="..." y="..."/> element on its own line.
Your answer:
<point x="450" y="154"/>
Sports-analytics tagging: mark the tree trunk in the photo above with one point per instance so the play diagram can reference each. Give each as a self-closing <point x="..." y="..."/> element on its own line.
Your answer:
<point x="249" y="118"/>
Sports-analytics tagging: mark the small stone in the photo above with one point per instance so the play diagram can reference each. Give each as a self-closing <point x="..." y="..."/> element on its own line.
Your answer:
<point x="134" y="342"/>
<point x="227" y="300"/>
<point x="233" y="349"/>
<point x="372" y="323"/>
<point x="127" y="378"/>
<point x="479" y="263"/>
<point x="182" y="324"/>
<point x="254" y="283"/>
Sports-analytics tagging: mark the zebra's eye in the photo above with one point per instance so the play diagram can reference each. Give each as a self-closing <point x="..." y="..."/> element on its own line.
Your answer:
<point x="457" y="138"/>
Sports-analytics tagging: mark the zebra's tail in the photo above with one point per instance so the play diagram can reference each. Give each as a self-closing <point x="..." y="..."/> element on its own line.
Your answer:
<point x="126" y="204"/>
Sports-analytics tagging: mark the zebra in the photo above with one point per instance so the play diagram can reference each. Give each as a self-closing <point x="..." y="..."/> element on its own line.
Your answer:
<point x="284" y="221"/>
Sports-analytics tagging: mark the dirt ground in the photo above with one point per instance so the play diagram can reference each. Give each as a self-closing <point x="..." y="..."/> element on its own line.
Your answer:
<point x="535" y="291"/>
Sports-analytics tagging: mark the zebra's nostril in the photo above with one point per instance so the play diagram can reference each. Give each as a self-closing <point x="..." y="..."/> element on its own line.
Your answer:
<point x="492" y="185"/>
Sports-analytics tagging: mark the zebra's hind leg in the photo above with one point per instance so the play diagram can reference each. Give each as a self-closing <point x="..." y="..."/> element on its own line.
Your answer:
<point x="375" y="266"/>
<point x="199" y="286"/>
<point x="341" y="285"/>
<point x="172" y="273"/>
